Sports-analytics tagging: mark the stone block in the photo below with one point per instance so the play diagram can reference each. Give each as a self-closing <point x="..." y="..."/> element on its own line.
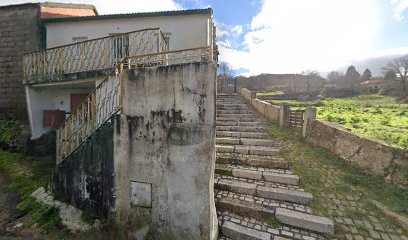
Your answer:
<point x="235" y="231"/>
<point x="284" y="194"/>
<point x="306" y="221"/>
<point x="281" y="178"/>
<point x="247" y="174"/>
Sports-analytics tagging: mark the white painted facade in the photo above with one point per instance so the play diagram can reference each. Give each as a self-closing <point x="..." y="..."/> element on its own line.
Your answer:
<point x="185" y="31"/>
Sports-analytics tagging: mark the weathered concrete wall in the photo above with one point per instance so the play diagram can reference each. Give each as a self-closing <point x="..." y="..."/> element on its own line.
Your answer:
<point x="86" y="178"/>
<point x="19" y="34"/>
<point x="270" y="111"/>
<point x="371" y="155"/>
<point x="165" y="150"/>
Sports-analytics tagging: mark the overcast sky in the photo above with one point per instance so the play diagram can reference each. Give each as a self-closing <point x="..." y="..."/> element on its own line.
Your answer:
<point x="288" y="36"/>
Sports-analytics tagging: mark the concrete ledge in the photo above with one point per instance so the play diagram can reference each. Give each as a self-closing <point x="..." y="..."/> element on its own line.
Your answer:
<point x="306" y="221"/>
<point x="284" y="194"/>
<point x="235" y="231"/>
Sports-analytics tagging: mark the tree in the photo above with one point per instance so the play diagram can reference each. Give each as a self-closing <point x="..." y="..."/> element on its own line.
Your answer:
<point x="352" y="77"/>
<point x="224" y="70"/>
<point x="311" y="73"/>
<point x="366" y="75"/>
<point x="400" y="67"/>
<point x="390" y="75"/>
<point x="335" y="77"/>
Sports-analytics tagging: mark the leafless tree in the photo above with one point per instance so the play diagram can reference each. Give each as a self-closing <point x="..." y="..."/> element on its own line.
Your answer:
<point x="400" y="67"/>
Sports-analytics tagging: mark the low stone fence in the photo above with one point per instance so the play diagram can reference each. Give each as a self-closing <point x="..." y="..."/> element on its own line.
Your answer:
<point x="371" y="155"/>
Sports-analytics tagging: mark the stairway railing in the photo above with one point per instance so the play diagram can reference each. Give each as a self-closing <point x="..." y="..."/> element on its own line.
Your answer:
<point x="91" y="55"/>
<point x="106" y="99"/>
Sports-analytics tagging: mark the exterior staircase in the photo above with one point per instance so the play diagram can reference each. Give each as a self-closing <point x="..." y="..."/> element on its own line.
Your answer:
<point x="257" y="195"/>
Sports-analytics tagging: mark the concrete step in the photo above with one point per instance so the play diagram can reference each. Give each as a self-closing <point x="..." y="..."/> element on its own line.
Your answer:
<point x="241" y="134"/>
<point x="234" y="119"/>
<point x="247" y="141"/>
<point x="245" y="208"/>
<point x="232" y="123"/>
<point x="305" y="221"/>
<point x="234" y="111"/>
<point x="232" y="107"/>
<point x="276" y="163"/>
<point x="276" y="176"/>
<point x="236" y="115"/>
<point x="240" y="128"/>
<point x="259" y="189"/>
<point x="238" y="232"/>
<point x="249" y="150"/>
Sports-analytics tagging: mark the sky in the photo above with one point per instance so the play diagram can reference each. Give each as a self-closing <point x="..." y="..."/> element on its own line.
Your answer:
<point x="289" y="36"/>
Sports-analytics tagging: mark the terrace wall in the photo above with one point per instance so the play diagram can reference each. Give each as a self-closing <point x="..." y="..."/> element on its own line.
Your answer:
<point x="371" y="155"/>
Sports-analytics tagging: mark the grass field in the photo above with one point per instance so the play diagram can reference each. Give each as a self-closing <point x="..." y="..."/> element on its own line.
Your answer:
<point x="371" y="115"/>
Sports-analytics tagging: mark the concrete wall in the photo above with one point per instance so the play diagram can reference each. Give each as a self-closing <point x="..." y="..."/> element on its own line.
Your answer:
<point x="270" y="111"/>
<point x="165" y="150"/>
<point x="19" y="34"/>
<point x="184" y="31"/>
<point x="85" y="178"/>
<point x="371" y="155"/>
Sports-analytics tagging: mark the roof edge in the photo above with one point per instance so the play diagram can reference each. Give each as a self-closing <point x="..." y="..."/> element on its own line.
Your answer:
<point x="131" y="15"/>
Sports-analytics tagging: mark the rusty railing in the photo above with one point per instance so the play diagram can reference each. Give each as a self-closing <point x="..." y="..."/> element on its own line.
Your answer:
<point x="95" y="54"/>
<point x="106" y="99"/>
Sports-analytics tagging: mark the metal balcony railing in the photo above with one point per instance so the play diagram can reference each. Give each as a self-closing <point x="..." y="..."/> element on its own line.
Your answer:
<point x="106" y="99"/>
<point x="91" y="55"/>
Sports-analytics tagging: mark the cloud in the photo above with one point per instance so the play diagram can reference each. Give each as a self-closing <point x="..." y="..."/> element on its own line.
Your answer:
<point x="399" y="7"/>
<point x="116" y="6"/>
<point x="289" y="36"/>
<point x="237" y="30"/>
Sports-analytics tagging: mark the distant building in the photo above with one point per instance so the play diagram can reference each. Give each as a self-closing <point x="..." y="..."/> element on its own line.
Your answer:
<point x="21" y="31"/>
<point x="373" y="84"/>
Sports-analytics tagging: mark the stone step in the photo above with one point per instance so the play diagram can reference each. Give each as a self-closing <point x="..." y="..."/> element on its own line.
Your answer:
<point x="305" y="221"/>
<point x="247" y="141"/>
<point x="237" y="105"/>
<point x="249" y="150"/>
<point x="231" y="107"/>
<point x="236" y="115"/>
<point x="239" y="232"/>
<point x="234" y="119"/>
<point x="231" y="123"/>
<point x="245" y="208"/>
<point x="276" y="163"/>
<point x="258" y="189"/>
<point x="241" y="134"/>
<point x="234" y="111"/>
<point x="240" y="128"/>
<point x="258" y="174"/>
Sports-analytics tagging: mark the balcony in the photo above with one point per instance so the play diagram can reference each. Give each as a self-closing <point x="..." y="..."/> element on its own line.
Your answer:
<point x="92" y="58"/>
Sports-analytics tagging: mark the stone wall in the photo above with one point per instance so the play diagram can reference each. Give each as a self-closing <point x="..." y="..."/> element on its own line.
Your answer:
<point x="165" y="150"/>
<point x="19" y="34"/>
<point x="270" y="111"/>
<point x="371" y="155"/>
<point x="85" y="178"/>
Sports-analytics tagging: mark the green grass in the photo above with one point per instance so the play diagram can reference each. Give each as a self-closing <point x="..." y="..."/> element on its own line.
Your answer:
<point x="372" y="115"/>
<point x="311" y="163"/>
<point x="273" y="222"/>
<point x="25" y="175"/>
<point x="270" y="94"/>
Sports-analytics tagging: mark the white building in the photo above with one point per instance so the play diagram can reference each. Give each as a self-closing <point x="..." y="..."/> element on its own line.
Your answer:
<point x="81" y="51"/>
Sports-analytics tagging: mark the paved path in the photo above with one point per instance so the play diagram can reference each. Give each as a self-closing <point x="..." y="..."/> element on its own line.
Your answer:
<point x="257" y="195"/>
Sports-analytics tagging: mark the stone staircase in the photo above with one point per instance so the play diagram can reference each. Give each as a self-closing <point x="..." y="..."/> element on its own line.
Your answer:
<point x="257" y="195"/>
